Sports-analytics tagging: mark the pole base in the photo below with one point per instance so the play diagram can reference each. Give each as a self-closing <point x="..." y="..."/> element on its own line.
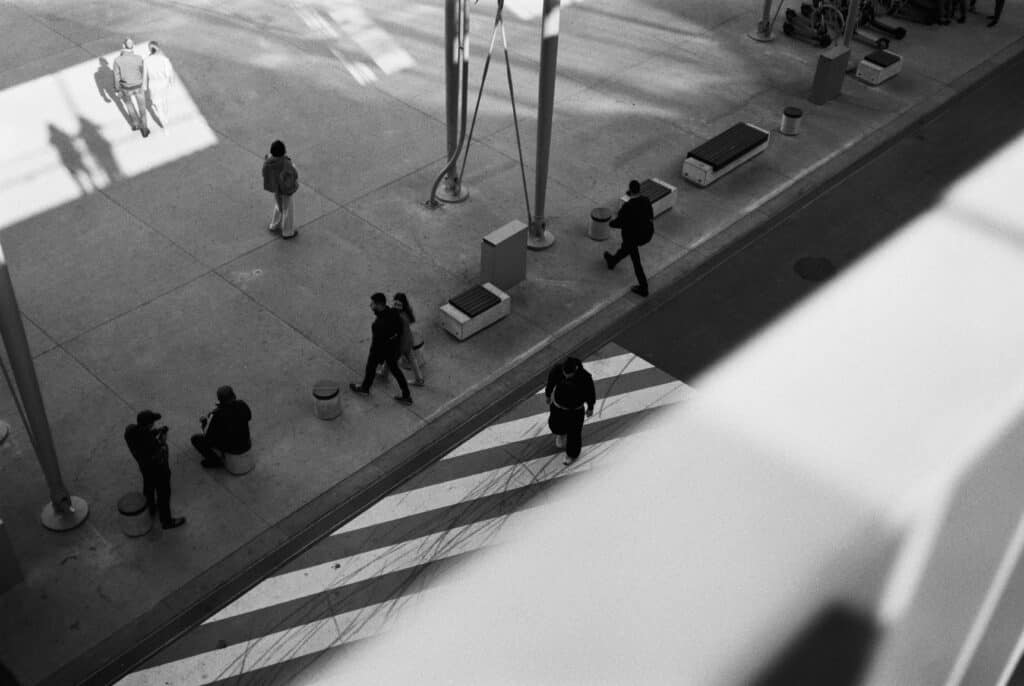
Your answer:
<point x="449" y="195"/>
<point x="65" y="521"/>
<point x="539" y="241"/>
<point x="765" y="37"/>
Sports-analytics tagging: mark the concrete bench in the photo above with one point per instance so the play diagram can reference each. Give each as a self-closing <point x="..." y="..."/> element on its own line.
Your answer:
<point x="662" y="195"/>
<point x="878" y="67"/>
<point x="474" y="310"/>
<point x="723" y="153"/>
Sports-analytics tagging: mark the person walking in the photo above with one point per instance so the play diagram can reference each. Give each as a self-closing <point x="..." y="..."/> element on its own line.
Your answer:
<point x="148" y="445"/>
<point x="569" y="389"/>
<point x="996" y="13"/>
<point x="158" y="77"/>
<point x="384" y="347"/>
<point x="128" y="85"/>
<point x="225" y="429"/>
<point x="282" y="179"/>
<point x="408" y="349"/>
<point x="636" y="220"/>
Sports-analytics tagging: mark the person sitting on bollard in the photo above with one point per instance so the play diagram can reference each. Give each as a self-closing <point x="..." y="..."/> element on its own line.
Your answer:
<point x="148" y="445"/>
<point x="569" y="389"/>
<point x="225" y="429"/>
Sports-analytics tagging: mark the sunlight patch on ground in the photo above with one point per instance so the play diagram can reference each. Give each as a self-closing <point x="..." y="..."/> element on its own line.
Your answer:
<point x="64" y="135"/>
<point x="532" y="9"/>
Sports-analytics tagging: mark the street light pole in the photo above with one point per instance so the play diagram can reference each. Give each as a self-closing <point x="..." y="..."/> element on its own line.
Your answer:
<point x="456" y="81"/>
<point x="764" y="27"/>
<point x="539" y="237"/>
<point x="64" y="511"/>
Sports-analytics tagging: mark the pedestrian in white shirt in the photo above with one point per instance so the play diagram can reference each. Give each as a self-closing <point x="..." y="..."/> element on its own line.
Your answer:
<point x="159" y="79"/>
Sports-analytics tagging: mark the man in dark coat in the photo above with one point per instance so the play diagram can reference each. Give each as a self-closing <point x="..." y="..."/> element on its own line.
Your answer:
<point x="148" y="445"/>
<point x="384" y="347"/>
<point x="225" y="429"/>
<point x="636" y="219"/>
<point x="569" y="390"/>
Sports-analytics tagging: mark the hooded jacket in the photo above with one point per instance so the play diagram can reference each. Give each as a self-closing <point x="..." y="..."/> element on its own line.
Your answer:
<point x="272" y="168"/>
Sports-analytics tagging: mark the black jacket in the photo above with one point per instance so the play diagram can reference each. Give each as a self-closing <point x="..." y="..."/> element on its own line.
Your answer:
<point x="145" y="447"/>
<point x="387" y="331"/>
<point x="228" y="427"/>
<point x="572" y="393"/>
<point x="636" y="219"/>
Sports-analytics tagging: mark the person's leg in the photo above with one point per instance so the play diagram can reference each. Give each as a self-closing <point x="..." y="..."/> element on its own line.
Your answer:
<point x="372" y="360"/>
<point x="417" y="375"/>
<point x="396" y="371"/>
<point x="211" y="456"/>
<point x="574" y="435"/>
<point x="613" y="260"/>
<point x="998" y="12"/>
<point x="129" y="107"/>
<point x="287" y="222"/>
<point x="149" y="490"/>
<point x="556" y="424"/>
<point x="275" y="221"/>
<point x="139" y="96"/>
<point x="163" y="495"/>
<point x="641" y="278"/>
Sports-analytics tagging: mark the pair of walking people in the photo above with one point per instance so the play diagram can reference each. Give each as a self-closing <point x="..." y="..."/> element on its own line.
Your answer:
<point x="386" y="348"/>
<point x="135" y="77"/>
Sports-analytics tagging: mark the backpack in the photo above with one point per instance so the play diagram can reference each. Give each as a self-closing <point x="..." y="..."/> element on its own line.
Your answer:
<point x="288" y="181"/>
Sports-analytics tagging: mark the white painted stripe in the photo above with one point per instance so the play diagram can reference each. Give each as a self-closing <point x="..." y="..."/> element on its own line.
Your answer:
<point x="607" y="408"/>
<point x="265" y="651"/>
<point x="609" y="367"/>
<point x="362" y="566"/>
<point x="477" y="486"/>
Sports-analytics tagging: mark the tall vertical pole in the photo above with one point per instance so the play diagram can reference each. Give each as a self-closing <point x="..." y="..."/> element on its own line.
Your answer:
<point x="764" y="27"/>
<point x="456" y="70"/>
<point x="64" y="511"/>
<point x="852" y="17"/>
<point x="539" y="237"/>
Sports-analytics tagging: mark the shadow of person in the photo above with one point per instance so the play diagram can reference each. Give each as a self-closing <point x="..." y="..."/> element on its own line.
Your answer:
<point x="100" y="148"/>
<point x="71" y="159"/>
<point x="104" y="78"/>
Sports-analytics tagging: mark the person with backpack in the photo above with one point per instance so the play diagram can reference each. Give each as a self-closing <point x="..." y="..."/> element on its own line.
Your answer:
<point x="148" y="445"/>
<point x="636" y="220"/>
<point x="570" y="389"/>
<point x="282" y="179"/>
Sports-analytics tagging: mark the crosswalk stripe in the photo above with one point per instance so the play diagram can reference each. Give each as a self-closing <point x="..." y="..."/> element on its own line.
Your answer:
<point x="614" y="366"/>
<point x="367" y="565"/>
<point x="606" y="408"/>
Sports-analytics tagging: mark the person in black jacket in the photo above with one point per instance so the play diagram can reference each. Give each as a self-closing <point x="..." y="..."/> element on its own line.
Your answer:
<point x="636" y="219"/>
<point x="225" y="429"/>
<point x="148" y="445"/>
<point x="385" y="347"/>
<point x="569" y="390"/>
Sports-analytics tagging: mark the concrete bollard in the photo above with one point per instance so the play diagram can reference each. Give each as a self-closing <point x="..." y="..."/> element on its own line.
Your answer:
<point x="599" y="218"/>
<point x="239" y="464"/>
<point x="791" y="121"/>
<point x="326" y="399"/>
<point x="134" y="511"/>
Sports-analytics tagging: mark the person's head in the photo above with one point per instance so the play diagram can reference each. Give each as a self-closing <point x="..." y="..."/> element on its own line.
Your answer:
<point x="570" y="367"/>
<point x="128" y="44"/>
<point x="402" y="303"/>
<point x="225" y="394"/>
<point x="154" y="47"/>
<point x="277" y="149"/>
<point x="379" y="302"/>
<point x="147" y="418"/>
<point x="634" y="187"/>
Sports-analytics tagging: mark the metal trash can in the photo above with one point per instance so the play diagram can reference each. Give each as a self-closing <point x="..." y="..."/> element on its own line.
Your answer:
<point x="326" y="399"/>
<point x="791" y="121"/>
<point x="599" y="218"/>
<point x="134" y="511"/>
<point x="239" y="464"/>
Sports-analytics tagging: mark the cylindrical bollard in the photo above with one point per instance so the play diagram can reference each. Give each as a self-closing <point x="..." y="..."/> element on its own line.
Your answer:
<point x="326" y="399"/>
<point x="599" y="218"/>
<point x="791" y="121"/>
<point x="239" y="464"/>
<point x="134" y="511"/>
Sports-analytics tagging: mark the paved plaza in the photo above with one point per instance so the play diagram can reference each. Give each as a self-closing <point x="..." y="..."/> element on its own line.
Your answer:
<point x="147" y="277"/>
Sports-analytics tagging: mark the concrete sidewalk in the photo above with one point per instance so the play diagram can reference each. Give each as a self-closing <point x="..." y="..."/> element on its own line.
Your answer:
<point x="147" y="277"/>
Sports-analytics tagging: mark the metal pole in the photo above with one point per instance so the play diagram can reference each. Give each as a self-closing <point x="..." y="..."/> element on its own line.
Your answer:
<point x="64" y="511"/>
<point x="456" y="31"/>
<point x="539" y="237"/>
<point x="764" y="27"/>
<point x="852" y="17"/>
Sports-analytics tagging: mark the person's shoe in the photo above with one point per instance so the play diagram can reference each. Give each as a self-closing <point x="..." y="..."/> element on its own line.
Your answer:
<point x="135" y="127"/>
<point x="609" y="260"/>
<point x="639" y="291"/>
<point x="943" y="22"/>
<point x="559" y="441"/>
<point x="568" y="461"/>
<point x="212" y="464"/>
<point x="404" y="399"/>
<point x="273" y="229"/>
<point x="174" y="523"/>
<point x="992" y="21"/>
<point x="145" y="133"/>
<point x="419" y="382"/>
<point x="961" y="19"/>
<point x="356" y="388"/>
<point x="287" y="238"/>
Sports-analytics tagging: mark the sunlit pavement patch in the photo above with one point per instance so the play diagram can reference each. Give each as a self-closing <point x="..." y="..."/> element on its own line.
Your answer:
<point x="63" y="136"/>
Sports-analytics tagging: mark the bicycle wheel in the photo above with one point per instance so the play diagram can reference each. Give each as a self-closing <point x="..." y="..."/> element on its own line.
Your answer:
<point x="832" y="20"/>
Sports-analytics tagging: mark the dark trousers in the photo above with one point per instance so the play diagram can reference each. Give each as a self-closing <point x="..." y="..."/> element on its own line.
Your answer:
<point x="205" y="448"/>
<point x="156" y="486"/>
<point x="633" y="251"/>
<point x="570" y="424"/>
<point x="390" y="358"/>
